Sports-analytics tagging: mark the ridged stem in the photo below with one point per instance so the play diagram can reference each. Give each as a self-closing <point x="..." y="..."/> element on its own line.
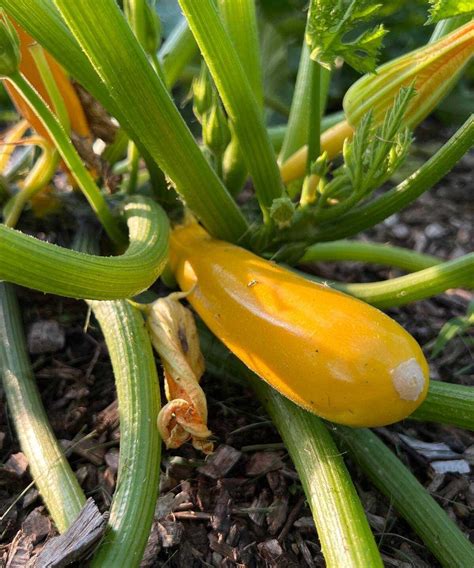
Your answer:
<point x="44" y="266"/>
<point x="138" y="395"/>
<point x="236" y="93"/>
<point x="119" y="60"/>
<point x="369" y="252"/>
<point x="57" y="484"/>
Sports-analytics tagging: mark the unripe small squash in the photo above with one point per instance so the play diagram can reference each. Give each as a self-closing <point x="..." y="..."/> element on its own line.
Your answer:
<point x="328" y="352"/>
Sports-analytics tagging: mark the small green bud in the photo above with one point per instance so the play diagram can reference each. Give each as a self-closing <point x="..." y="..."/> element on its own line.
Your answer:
<point x="215" y="129"/>
<point x="282" y="212"/>
<point x="202" y="93"/>
<point x="320" y="166"/>
<point x="9" y="47"/>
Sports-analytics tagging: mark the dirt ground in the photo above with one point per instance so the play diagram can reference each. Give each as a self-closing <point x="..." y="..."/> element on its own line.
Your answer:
<point x="247" y="508"/>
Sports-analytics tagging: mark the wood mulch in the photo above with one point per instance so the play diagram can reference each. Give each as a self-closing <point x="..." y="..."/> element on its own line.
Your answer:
<point x="243" y="505"/>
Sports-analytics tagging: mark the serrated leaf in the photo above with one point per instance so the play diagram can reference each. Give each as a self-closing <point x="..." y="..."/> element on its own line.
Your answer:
<point x="329" y="23"/>
<point x="441" y="9"/>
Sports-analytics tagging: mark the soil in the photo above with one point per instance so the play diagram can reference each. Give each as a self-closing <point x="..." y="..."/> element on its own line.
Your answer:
<point x="246" y="508"/>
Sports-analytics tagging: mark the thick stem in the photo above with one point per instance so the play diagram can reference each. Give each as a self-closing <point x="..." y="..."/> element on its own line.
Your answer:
<point x="237" y="97"/>
<point x="43" y="266"/>
<point x="123" y="66"/>
<point x="369" y="252"/>
<point x="412" y="287"/>
<point x="49" y="468"/>
<point x="138" y="395"/>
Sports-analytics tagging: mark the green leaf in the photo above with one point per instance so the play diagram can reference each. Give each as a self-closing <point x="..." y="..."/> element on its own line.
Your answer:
<point x="442" y="9"/>
<point x="329" y="24"/>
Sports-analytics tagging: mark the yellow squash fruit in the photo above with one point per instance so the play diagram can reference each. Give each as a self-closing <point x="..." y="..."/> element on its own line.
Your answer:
<point x="330" y="353"/>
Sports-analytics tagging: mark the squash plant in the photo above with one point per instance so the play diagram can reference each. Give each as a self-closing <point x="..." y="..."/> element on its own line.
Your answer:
<point x="307" y="201"/>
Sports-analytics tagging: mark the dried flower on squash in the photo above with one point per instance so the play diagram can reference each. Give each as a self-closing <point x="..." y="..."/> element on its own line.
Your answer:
<point x="174" y="336"/>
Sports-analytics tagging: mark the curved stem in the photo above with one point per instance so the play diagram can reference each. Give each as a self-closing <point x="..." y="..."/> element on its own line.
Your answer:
<point x="412" y="287"/>
<point x="70" y="157"/>
<point x="38" y="178"/>
<point x="369" y="252"/>
<point x="43" y="266"/>
<point x="134" y="500"/>
<point x="49" y="468"/>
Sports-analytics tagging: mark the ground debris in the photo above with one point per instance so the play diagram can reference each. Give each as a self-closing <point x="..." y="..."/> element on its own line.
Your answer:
<point x="76" y="543"/>
<point x="220" y="462"/>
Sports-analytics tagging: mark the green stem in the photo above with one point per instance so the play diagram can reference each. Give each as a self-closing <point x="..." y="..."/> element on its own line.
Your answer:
<point x="344" y="533"/>
<point x="38" y="178"/>
<point x="43" y="266"/>
<point x="448" y="404"/>
<point x="412" y="287"/>
<point x="121" y="63"/>
<point x="70" y="157"/>
<point x="176" y="52"/>
<point x="51" y="86"/>
<point x="439" y="533"/>
<point x="49" y="468"/>
<point x="296" y="134"/>
<point x="134" y="500"/>
<point x="369" y="252"/>
<point x="240" y="20"/>
<point x="314" y="127"/>
<point x="133" y="158"/>
<point x="236" y="93"/>
<point x="397" y="198"/>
